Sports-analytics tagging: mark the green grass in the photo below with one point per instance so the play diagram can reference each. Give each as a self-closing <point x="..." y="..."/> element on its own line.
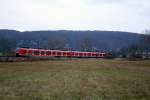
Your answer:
<point x="75" y="80"/>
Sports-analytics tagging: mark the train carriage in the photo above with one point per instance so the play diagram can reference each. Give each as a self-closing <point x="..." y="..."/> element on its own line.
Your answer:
<point x="57" y="53"/>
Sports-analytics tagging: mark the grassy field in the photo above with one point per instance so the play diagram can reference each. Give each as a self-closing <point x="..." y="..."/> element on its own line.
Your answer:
<point x="75" y="80"/>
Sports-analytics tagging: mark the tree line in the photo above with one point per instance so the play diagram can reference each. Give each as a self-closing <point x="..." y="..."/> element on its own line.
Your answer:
<point x="138" y="50"/>
<point x="8" y="45"/>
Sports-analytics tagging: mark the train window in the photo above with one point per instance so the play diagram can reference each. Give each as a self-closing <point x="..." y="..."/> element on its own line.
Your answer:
<point x="80" y="54"/>
<point x="76" y="54"/>
<point x="59" y="53"/>
<point x="89" y="54"/>
<point x="96" y="54"/>
<point x="48" y="53"/>
<point x="64" y="53"/>
<point x="30" y="52"/>
<point x="68" y="53"/>
<point x="42" y="53"/>
<point x="72" y="53"/>
<point x="104" y="54"/>
<point x="36" y="52"/>
<point x="54" y="53"/>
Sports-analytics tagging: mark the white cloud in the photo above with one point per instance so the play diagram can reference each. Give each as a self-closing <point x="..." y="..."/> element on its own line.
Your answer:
<point x="117" y="15"/>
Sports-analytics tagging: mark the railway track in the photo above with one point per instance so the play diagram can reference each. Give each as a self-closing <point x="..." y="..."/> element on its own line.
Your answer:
<point x="13" y="59"/>
<point x="24" y="59"/>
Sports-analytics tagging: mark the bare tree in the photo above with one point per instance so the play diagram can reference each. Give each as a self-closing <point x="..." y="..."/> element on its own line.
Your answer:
<point x="86" y="44"/>
<point x="7" y="45"/>
<point x="147" y="43"/>
<point x="144" y="44"/>
<point x="56" y="43"/>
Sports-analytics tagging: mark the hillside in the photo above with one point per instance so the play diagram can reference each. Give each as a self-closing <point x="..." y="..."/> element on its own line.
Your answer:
<point x="101" y="40"/>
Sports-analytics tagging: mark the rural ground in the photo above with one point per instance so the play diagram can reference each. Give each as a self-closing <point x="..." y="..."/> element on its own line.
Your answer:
<point x="93" y="79"/>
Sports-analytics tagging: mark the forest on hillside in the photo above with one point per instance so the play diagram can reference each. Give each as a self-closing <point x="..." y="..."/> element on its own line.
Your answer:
<point x="109" y="41"/>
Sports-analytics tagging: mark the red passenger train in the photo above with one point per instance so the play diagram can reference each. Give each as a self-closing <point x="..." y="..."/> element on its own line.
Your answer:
<point x="29" y="52"/>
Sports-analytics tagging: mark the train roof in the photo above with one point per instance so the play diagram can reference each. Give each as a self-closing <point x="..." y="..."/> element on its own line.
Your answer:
<point x="60" y="50"/>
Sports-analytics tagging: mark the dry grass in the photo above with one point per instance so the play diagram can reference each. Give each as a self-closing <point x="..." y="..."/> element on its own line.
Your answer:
<point x="75" y="80"/>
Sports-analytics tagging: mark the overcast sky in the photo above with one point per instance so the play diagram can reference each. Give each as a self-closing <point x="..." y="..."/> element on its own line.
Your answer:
<point x="115" y="15"/>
